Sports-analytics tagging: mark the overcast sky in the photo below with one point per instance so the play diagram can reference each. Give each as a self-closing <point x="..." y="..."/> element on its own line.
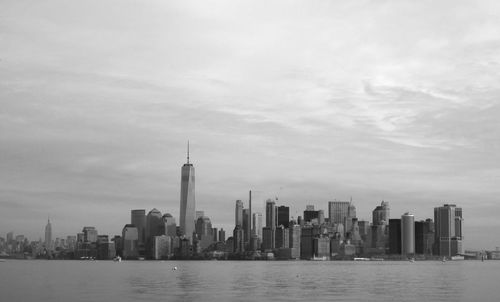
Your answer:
<point x="307" y="101"/>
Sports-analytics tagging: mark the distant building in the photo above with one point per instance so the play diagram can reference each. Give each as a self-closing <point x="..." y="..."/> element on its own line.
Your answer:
<point x="130" y="241"/>
<point x="283" y="213"/>
<point x="187" y="203"/>
<point x="448" y="230"/>
<point x="138" y="219"/>
<point x="321" y="247"/>
<point x="215" y="234"/>
<point x="257" y="225"/>
<point x="321" y="217"/>
<point x="204" y="232"/>
<point x="246" y="226"/>
<point x="238" y="213"/>
<point x="48" y="236"/>
<point x="310" y="214"/>
<point x="89" y="234"/>
<point x="270" y="214"/>
<point x="222" y="235"/>
<point x="395" y="236"/>
<point x="294" y="241"/>
<point x="337" y="211"/>
<point x="238" y="237"/>
<point x="306" y="242"/>
<point x="169" y="225"/>
<point x="162" y="247"/>
<point x="281" y="237"/>
<point x="381" y="213"/>
<point x="407" y="235"/>
<point x="268" y="238"/>
<point x="154" y="227"/>
<point x="424" y="237"/>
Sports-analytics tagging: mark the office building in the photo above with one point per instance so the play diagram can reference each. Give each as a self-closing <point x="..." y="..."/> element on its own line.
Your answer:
<point x="294" y="241"/>
<point x="89" y="234"/>
<point x="48" y="236"/>
<point x="238" y="213"/>
<point x="268" y="238"/>
<point x="306" y="242"/>
<point x="169" y="225"/>
<point x="154" y="227"/>
<point x="448" y="230"/>
<point x="204" y="232"/>
<point x="321" y="247"/>
<point x="162" y="247"/>
<point x="130" y="239"/>
<point x="257" y="225"/>
<point x="310" y="214"/>
<point x="222" y="235"/>
<point x="380" y="214"/>
<point x="238" y="237"/>
<point x="282" y="237"/>
<point x="270" y="214"/>
<point x="337" y="211"/>
<point x="407" y="235"/>
<point x="246" y="225"/>
<point x="138" y="219"/>
<point x="283" y="213"/>
<point x="187" y="203"/>
<point x="395" y="236"/>
<point x="424" y="237"/>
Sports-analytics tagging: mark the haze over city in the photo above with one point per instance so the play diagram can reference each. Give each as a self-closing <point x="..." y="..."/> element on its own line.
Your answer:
<point x="304" y="101"/>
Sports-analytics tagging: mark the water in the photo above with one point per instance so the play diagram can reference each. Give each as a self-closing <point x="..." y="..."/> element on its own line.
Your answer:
<point x="39" y="280"/>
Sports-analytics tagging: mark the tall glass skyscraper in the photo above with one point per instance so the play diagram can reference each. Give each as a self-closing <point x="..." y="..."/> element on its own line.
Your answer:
<point x="188" y="204"/>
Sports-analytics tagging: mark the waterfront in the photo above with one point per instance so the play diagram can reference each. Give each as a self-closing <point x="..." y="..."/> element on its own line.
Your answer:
<point x="39" y="280"/>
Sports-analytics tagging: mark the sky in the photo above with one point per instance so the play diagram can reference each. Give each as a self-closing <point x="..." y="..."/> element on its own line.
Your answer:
<point x="303" y="101"/>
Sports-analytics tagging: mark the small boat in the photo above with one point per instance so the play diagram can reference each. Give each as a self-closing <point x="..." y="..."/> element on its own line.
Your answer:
<point x="361" y="259"/>
<point x="117" y="259"/>
<point x="444" y="259"/>
<point x="411" y="259"/>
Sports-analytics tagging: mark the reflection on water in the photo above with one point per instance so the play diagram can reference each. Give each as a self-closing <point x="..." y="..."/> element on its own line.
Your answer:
<point x="247" y="281"/>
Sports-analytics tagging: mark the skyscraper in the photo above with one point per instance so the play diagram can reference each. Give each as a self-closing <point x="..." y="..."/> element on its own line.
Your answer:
<point x="381" y="214"/>
<point x="283" y="216"/>
<point x="138" y="219"/>
<point x="238" y="213"/>
<point x="48" y="235"/>
<point x="257" y="225"/>
<point x="187" y="204"/>
<point x="394" y="236"/>
<point x="170" y="225"/>
<point x="246" y="225"/>
<point x="407" y="234"/>
<point x="270" y="214"/>
<point x="154" y="227"/>
<point x="448" y="230"/>
<point x="337" y="211"/>
<point x="130" y="238"/>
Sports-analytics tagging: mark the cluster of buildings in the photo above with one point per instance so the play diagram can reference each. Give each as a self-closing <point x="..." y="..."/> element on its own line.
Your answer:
<point x="313" y="235"/>
<point x="342" y="235"/>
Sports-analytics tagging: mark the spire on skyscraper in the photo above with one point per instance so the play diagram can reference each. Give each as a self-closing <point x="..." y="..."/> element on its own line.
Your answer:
<point x="188" y="153"/>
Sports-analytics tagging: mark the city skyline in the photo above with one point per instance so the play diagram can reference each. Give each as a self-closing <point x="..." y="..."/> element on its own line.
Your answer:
<point x="307" y="102"/>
